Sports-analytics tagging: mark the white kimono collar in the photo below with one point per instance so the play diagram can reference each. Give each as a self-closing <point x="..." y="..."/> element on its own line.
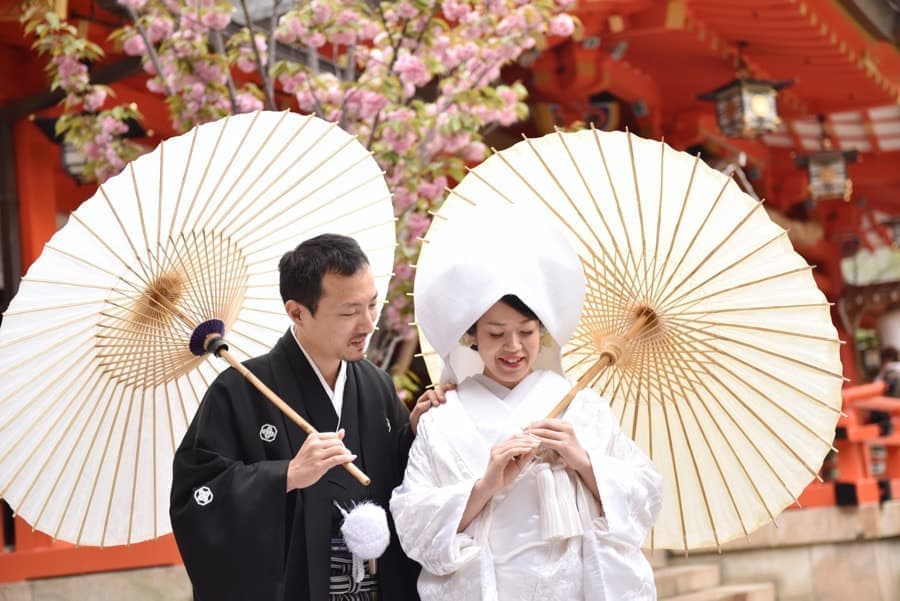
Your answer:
<point x="492" y="413"/>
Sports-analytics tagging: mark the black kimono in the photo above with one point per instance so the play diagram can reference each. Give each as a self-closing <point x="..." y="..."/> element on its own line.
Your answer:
<point x="240" y="535"/>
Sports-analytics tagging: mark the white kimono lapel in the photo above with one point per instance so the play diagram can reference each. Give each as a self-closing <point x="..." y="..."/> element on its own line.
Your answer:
<point x="535" y="396"/>
<point x="488" y="413"/>
<point x="463" y="439"/>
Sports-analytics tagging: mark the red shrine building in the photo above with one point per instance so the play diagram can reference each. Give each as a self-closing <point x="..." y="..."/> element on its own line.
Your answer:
<point x="798" y="99"/>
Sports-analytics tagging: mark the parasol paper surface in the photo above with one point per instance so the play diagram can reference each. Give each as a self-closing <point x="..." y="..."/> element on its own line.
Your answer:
<point x="726" y="362"/>
<point x="98" y="383"/>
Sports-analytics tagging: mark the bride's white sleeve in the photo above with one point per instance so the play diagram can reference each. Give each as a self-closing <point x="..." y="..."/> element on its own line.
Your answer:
<point x="630" y="486"/>
<point x="428" y="506"/>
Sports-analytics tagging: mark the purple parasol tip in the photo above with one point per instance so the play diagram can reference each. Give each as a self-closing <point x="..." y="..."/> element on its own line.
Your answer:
<point x="198" y="337"/>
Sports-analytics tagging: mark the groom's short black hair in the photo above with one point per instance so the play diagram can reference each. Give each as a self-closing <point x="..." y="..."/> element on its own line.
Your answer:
<point x="302" y="269"/>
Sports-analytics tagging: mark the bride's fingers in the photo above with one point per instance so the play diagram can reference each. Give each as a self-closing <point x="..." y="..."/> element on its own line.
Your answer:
<point x="545" y="434"/>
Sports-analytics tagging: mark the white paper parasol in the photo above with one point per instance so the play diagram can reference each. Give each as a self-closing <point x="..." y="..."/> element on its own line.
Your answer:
<point x="97" y="380"/>
<point x="701" y="326"/>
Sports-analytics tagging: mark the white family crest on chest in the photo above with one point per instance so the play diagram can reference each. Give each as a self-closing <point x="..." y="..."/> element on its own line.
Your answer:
<point x="203" y="496"/>
<point x="388" y="422"/>
<point x="268" y="432"/>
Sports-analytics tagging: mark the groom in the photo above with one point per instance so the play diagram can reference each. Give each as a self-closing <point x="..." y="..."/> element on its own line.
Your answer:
<point x="255" y="502"/>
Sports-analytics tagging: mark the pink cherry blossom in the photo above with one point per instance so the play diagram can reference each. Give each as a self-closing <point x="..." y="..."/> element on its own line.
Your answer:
<point x="412" y="70"/>
<point x="216" y="20"/>
<point x="403" y="272"/>
<point x="70" y="68"/>
<point x="562" y="25"/>
<point x="346" y="17"/>
<point x="398" y="141"/>
<point x="416" y="225"/>
<point x="94" y="99"/>
<point x="403" y="199"/>
<point x="290" y="83"/>
<point x="432" y="190"/>
<point x="134" y="46"/>
<point x="344" y="38"/>
<point x="321" y="11"/>
<point x="156" y="86"/>
<point x="290" y="28"/>
<point x="455" y="10"/>
<point x="405" y="10"/>
<point x="210" y="72"/>
<point x="246" y="103"/>
<point x="369" y="30"/>
<point x="306" y="100"/>
<point x="474" y="152"/>
<point x="366" y="103"/>
<point x="160" y="27"/>
<point x="512" y="23"/>
<point x="246" y="62"/>
<point x="314" y="39"/>
<point x="395" y="172"/>
<point x="111" y="126"/>
<point x="369" y="80"/>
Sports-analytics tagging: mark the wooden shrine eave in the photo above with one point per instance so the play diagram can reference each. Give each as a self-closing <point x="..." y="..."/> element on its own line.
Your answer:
<point x="881" y="18"/>
<point x="689" y="46"/>
<point x="829" y="54"/>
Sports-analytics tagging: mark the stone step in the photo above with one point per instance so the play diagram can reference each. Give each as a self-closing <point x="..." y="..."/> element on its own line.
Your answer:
<point x="731" y="592"/>
<point x="658" y="558"/>
<point x="679" y="580"/>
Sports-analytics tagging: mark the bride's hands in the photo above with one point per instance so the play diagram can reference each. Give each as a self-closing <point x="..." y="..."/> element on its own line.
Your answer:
<point x="560" y="436"/>
<point x="507" y="460"/>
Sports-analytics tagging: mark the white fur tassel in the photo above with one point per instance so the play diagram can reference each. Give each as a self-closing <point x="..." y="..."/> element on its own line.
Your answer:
<point x="559" y="511"/>
<point x="365" y="530"/>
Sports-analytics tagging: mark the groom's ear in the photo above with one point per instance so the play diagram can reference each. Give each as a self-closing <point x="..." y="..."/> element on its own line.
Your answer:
<point x="297" y="312"/>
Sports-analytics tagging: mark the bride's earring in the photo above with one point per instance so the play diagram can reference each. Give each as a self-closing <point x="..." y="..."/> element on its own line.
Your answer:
<point x="469" y="341"/>
<point x="546" y="339"/>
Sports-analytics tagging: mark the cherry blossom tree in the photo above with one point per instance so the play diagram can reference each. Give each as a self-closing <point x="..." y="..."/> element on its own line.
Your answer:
<point x="95" y="132"/>
<point x="418" y="81"/>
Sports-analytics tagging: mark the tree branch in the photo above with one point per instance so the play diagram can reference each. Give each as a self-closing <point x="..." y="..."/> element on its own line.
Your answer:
<point x="229" y="82"/>
<point x="273" y="43"/>
<point x="319" y="111"/>
<point x="151" y="50"/>
<point x="264" y="75"/>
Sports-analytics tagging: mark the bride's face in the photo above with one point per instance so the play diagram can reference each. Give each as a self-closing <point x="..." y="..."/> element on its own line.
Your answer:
<point x="508" y="343"/>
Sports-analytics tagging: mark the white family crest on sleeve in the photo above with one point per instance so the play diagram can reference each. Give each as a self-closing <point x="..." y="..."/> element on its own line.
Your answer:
<point x="203" y="496"/>
<point x="388" y="422"/>
<point x="268" y="432"/>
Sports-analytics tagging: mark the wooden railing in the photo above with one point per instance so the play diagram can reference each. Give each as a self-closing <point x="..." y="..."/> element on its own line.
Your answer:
<point x="32" y="555"/>
<point x="866" y="468"/>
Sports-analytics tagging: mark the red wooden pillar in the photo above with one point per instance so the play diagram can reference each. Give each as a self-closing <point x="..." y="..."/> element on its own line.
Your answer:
<point x="37" y="159"/>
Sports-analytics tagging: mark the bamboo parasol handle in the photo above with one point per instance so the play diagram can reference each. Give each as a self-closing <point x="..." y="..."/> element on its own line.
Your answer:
<point x="602" y="363"/>
<point x="644" y="318"/>
<point x="286" y="409"/>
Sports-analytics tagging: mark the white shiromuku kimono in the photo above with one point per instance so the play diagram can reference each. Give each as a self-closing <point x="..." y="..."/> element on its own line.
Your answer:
<point x="502" y="555"/>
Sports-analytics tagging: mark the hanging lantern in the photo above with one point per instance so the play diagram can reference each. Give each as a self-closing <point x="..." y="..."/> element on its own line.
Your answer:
<point x="746" y="107"/>
<point x="73" y="161"/>
<point x="828" y="177"/>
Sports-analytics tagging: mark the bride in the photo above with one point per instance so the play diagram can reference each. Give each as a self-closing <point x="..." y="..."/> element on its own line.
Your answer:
<point x="497" y="502"/>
